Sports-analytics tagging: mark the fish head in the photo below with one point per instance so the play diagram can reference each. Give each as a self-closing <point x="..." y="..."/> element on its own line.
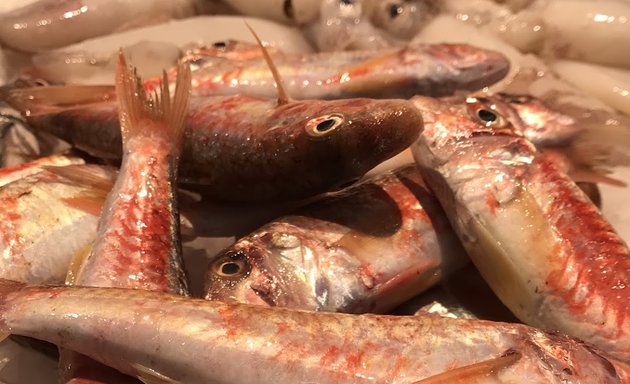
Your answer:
<point x="276" y="266"/>
<point x="476" y="67"/>
<point x="338" y="141"/>
<point x="541" y="124"/>
<point x="451" y="124"/>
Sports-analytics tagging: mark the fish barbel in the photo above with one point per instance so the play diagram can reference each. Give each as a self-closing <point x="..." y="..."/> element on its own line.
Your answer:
<point x="41" y="230"/>
<point x="251" y="149"/>
<point x="433" y="70"/>
<point x="539" y="242"/>
<point x="178" y="339"/>
<point x="367" y="248"/>
<point x="138" y="245"/>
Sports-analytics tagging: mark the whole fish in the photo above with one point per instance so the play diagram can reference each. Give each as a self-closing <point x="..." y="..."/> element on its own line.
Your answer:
<point x="246" y="148"/>
<point x="138" y="244"/>
<point x="45" y="219"/>
<point x="433" y="70"/>
<point x="541" y="245"/>
<point x="168" y="338"/>
<point x="366" y="248"/>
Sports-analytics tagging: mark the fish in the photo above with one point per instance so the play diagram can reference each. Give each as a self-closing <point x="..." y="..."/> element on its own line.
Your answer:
<point x="138" y="235"/>
<point x="536" y="238"/>
<point x="366" y="248"/>
<point x="46" y="218"/>
<point x="138" y="245"/>
<point x="179" y="339"/>
<point x="432" y="70"/>
<point x="245" y="148"/>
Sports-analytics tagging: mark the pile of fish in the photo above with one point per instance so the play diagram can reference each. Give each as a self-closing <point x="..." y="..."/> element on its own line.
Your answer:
<point x="394" y="208"/>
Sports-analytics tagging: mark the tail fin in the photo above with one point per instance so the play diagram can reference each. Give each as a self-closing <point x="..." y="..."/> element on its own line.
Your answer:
<point x="154" y="114"/>
<point x="42" y="100"/>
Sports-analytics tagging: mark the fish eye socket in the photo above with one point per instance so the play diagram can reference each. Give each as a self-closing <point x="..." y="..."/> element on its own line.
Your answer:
<point x="231" y="265"/>
<point x="219" y="44"/>
<point x="324" y="125"/>
<point x="485" y="114"/>
<point x="395" y="10"/>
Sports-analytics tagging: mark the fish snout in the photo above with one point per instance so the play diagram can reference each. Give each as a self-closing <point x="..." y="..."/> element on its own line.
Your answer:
<point x="479" y="67"/>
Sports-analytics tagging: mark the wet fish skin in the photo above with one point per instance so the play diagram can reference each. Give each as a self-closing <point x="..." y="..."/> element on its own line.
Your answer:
<point x="199" y="341"/>
<point x="366" y="248"/>
<point x="138" y="244"/>
<point x="539" y="242"/>
<point x="249" y="149"/>
<point x="39" y="232"/>
<point x="433" y="70"/>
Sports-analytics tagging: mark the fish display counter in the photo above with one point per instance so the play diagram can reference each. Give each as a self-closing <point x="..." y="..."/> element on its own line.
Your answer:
<point x="329" y="191"/>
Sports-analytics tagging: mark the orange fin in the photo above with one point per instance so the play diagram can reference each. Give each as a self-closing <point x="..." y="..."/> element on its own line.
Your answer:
<point x="76" y="263"/>
<point x="41" y="100"/>
<point x="89" y="175"/>
<point x="466" y="373"/>
<point x="154" y="114"/>
<point x="283" y="96"/>
<point x="88" y="202"/>
<point x="97" y="181"/>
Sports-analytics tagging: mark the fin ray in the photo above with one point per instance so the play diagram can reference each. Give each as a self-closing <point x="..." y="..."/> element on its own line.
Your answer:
<point x="467" y="372"/>
<point x="283" y="96"/>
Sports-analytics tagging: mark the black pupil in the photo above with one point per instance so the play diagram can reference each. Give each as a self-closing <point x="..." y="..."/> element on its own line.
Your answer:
<point x="325" y="125"/>
<point x="395" y="10"/>
<point x="346" y="2"/>
<point x="487" y="116"/>
<point x="230" y="268"/>
<point x="219" y="44"/>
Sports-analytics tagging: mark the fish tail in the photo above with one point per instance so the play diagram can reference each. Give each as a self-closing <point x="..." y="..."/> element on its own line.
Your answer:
<point x="155" y="113"/>
<point x="44" y="100"/>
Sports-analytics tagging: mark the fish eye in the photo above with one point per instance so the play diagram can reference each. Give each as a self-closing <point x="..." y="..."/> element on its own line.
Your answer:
<point x="234" y="264"/>
<point x="346" y="2"/>
<point x="219" y="44"/>
<point x="324" y="125"/>
<point x="395" y="10"/>
<point x="485" y="113"/>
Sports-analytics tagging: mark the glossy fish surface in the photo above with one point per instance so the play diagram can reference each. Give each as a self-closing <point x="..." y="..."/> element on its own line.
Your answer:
<point x="250" y="149"/>
<point x="198" y="341"/>
<point x="536" y="238"/>
<point x="366" y="248"/>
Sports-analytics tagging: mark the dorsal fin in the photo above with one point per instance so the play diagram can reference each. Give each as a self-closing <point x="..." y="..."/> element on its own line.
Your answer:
<point x="283" y="97"/>
<point x="154" y="114"/>
<point x="466" y="373"/>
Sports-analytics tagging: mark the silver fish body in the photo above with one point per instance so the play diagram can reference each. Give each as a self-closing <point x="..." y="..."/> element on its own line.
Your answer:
<point x="539" y="242"/>
<point x="198" y="341"/>
<point x="367" y="248"/>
